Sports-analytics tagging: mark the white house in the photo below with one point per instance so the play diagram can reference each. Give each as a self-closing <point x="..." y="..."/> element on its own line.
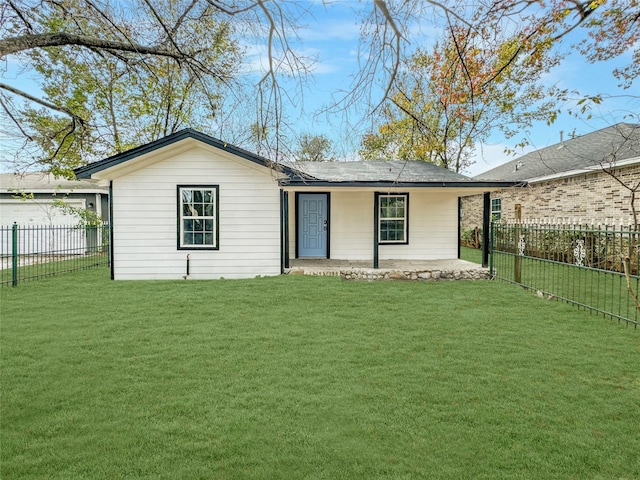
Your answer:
<point x="191" y="205"/>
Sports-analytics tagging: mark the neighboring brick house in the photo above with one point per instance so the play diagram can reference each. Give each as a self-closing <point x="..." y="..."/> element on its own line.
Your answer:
<point x="567" y="182"/>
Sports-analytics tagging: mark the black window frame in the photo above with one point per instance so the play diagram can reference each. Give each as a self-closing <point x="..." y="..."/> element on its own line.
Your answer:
<point x="380" y="218"/>
<point x="216" y="218"/>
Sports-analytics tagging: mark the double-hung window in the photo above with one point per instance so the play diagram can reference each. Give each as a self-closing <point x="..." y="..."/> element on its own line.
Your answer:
<point x="198" y="217"/>
<point x="393" y="218"/>
<point x="496" y="209"/>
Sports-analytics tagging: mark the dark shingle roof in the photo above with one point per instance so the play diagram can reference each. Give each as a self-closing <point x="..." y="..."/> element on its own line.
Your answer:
<point x="376" y="171"/>
<point x="396" y="173"/>
<point x="621" y="140"/>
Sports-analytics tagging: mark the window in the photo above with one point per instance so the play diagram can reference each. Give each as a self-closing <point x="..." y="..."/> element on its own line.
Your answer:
<point x="198" y="217"/>
<point x="392" y="218"/>
<point x="496" y="209"/>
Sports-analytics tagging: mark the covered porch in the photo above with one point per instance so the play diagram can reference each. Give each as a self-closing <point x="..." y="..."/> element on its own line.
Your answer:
<point x="417" y="270"/>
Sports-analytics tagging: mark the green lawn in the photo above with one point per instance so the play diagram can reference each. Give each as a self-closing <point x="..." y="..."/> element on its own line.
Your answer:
<point x="311" y="377"/>
<point x="600" y="290"/>
<point x="471" y="254"/>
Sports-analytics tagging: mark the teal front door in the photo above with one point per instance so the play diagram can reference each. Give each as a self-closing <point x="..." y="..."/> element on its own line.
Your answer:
<point x="313" y="225"/>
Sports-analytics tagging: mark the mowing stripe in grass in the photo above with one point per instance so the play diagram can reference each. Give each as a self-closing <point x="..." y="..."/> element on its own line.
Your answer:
<point x="299" y="377"/>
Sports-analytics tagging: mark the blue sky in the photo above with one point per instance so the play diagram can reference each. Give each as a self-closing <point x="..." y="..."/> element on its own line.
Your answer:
<point x="332" y="35"/>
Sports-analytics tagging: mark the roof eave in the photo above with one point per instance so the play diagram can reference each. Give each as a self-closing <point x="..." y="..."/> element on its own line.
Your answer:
<point x="88" y="170"/>
<point x="380" y="183"/>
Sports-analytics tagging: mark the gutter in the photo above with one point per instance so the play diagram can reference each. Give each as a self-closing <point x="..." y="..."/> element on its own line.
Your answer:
<point x="382" y="183"/>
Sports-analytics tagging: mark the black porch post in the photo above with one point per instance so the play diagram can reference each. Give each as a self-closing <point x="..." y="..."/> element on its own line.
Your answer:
<point x="486" y="225"/>
<point x="284" y="230"/>
<point x="459" y="224"/>
<point x="375" y="229"/>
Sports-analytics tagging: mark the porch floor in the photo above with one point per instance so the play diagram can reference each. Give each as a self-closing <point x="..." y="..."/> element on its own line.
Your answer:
<point x="425" y="270"/>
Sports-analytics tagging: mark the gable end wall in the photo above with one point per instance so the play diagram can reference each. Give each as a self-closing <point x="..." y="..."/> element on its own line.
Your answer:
<point x="145" y="219"/>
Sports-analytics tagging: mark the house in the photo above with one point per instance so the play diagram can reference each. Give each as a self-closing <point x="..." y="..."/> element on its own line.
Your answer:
<point x="568" y="181"/>
<point x="46" y="209"/>
<point x="191" y="205"/>
<point x="30" y="199"/>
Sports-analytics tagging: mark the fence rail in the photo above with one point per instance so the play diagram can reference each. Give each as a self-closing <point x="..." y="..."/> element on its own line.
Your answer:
<point x="32" y="252"/>
<point x="595" y="267"/>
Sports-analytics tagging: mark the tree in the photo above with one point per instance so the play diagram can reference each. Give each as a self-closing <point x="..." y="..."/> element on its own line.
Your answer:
<point x="389" y="32"/>
<point x="314" y="148"/>
<point x="122" y="107"/>
<point x="630" y="182"/>
<point x="449" y="99"/>
<point x="161" y="63"/>
<point x="610" y="164"/>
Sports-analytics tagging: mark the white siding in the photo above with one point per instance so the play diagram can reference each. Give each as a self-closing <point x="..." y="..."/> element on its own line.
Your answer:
<point x="145" y="219"/>
<point x="433" y="228"/>
<point x="433" y="225"/>
<point x="351" y="225"/>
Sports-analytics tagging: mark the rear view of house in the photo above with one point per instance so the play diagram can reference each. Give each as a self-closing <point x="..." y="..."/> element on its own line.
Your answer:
<point x="189" y="205"/>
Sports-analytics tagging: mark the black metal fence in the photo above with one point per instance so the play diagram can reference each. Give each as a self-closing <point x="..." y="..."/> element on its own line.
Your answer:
<point x="595" y="267"/>
<point x="32" y="252"/>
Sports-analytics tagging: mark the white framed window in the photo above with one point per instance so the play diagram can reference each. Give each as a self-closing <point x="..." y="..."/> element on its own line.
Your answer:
<point x="496" y="209"/>
<point x="393" y="218"/>
<point x="198" y="217"/>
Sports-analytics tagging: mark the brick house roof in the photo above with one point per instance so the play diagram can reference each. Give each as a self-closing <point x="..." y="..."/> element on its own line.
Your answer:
<point x="607" y="146"/>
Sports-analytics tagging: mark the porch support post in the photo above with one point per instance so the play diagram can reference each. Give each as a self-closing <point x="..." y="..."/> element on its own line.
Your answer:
<point x="375" y="229"/>
<point x="111" y="248"/>
<point x="284" y="230"/>
<point x="459" y="223"/>
<point x="486" y="225"/>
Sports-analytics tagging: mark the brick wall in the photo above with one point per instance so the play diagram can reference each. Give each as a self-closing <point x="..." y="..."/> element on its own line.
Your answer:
<point x="594" y="196"/>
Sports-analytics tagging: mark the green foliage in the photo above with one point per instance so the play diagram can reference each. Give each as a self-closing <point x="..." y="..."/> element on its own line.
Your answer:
<point x="314" y="148"/>
<point x="87" y="218"/>
<point x="119" y="102"/>
<point x="165" y="380"/>
<point x="454" y="96"/>
<point x="471" y="238"/>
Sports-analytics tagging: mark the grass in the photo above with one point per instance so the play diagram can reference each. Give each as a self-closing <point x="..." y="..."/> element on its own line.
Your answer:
<point x="311" y="377"/>
<point x="604" y="291"/>
<point x="471" y="254"/>
<point x="48" y="265"/>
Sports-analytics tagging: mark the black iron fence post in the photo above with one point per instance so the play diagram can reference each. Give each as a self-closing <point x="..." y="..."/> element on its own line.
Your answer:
<point x="14" y="255"/>
<point x="517" y="264"/>
<point x="491" y="246"/>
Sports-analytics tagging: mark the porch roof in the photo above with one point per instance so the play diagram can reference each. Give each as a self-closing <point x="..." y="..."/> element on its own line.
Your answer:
<point x="383" y="173"/>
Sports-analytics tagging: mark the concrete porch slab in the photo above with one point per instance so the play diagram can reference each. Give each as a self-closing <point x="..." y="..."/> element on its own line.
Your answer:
<point x="421" y="270"/>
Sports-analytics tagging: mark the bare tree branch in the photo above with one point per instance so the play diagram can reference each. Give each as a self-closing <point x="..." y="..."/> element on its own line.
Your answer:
<point x="39" y="101"/>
